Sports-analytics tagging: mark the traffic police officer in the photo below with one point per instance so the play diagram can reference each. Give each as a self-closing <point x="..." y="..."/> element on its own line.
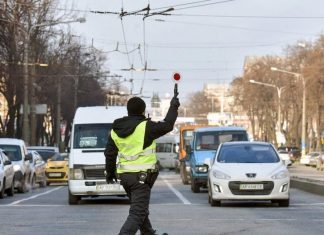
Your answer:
<point x="132" y="139"/>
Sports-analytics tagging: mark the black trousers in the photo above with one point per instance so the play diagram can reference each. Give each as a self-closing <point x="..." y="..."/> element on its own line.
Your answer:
<point x="139" y="195"/>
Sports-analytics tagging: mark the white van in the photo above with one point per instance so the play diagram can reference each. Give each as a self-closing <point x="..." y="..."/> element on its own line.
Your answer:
<point x="167" y="148"/>
<point x="91" y="126"/>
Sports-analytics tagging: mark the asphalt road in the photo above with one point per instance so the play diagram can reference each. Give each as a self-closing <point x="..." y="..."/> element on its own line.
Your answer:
<point x="174" y="209"/>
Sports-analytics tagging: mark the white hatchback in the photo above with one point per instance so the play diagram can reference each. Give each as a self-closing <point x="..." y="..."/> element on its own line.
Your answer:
<point x="248" y="171"/>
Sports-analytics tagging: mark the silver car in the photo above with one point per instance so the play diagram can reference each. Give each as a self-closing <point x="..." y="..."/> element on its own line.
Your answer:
<point x="38" y="166"/>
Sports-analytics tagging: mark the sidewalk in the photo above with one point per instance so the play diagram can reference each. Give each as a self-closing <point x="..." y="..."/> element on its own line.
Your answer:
<point x="306" y="178"/>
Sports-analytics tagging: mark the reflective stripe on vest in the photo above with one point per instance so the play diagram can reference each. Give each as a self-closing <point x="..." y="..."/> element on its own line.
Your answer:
<point x="134" y="157"/>
<point x="139" y="167"/>
<point x="131" y="155"/>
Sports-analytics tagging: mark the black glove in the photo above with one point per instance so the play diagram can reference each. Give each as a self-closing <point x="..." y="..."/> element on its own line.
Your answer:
<point x="175" y="102"/>
<point x="110" y="178"/>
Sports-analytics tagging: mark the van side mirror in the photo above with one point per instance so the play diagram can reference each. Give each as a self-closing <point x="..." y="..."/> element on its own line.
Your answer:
<point x="8" y="162"/>
<point x="68" y="149"/>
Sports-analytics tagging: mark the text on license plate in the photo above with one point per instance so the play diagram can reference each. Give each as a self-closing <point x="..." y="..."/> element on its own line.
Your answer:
<point x="54" y="174"/>
<point x="251" y="186"/>
<point x="107" y="187"/>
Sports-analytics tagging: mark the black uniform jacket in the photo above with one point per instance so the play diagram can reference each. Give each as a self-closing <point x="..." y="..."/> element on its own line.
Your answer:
<point x="125" y="126"/>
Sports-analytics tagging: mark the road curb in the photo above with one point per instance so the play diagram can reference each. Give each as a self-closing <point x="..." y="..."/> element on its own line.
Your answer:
<point x="311" y="186"/>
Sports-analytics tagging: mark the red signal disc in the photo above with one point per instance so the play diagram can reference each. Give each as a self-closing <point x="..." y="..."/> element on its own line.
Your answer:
<point x="176" y="76"/>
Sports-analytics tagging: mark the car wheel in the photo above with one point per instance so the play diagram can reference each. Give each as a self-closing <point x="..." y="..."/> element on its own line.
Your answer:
<point x="283" y="203"/>
<point x="42" y="184"/>
<point x="2" y="192"/>
<point x="23" y="188"/>
<point x="214" y="203"/>
<point x="11" y="190"/>
<point x="33" y="182"/>
<point x="73" y="200"/>
<point x="194" y="187"/>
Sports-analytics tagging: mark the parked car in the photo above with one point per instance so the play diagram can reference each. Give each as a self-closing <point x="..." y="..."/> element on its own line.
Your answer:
<point x="247" y="171"/>
<point x="294" y="153"/>
<point x="57" y="169"/>
<point x="38" y="165"/>
<point x="46" y="152"/>
<point x="284" y="155"/>
<point x="7" y="174"/>
<point x="17" y="152"/>
<point x="320" y="162"/>
<point x="310" y="159"/>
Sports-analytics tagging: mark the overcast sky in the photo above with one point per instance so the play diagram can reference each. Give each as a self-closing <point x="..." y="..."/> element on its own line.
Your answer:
<point x="205" y="42"/>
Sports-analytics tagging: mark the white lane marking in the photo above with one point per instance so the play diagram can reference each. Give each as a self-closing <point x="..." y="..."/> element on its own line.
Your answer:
<point x="177" y="193"/>
<point x="35" y="196"/>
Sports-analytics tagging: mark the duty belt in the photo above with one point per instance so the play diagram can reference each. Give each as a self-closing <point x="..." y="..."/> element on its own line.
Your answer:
<point x="137" y="167"/>
<point x="134" y="157"/>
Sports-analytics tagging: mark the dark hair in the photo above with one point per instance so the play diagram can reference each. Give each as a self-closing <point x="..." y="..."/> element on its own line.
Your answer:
<point x="135" y="106"/>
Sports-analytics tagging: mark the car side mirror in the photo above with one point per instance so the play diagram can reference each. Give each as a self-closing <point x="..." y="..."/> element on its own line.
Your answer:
<point x="28" y="157"/>
<point x="8" y="162"/>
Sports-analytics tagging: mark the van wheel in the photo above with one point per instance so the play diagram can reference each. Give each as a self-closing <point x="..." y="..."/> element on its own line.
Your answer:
<point x="11" y="190"/>
<point x="194" y="187"/>
<point x="73" y="200"/>
<point x="2" y="192"/>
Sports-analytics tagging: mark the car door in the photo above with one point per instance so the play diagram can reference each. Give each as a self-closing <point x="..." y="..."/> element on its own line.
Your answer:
<point x="8" y="169"/>
<point x="1" y="170"/>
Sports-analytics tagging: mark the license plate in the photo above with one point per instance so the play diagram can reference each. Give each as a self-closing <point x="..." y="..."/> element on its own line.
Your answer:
<point x="251" y="186"/>
<point x="107" y="187"/>
<point x="54" y="174"/>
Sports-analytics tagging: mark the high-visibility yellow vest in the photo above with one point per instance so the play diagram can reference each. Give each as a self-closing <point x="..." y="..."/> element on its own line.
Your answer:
<point x="131" y="155"/>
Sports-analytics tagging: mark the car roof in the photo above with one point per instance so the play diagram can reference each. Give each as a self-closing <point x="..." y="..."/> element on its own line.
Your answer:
<point x="45" y="148"/>
<point x="232" y="143"/>
<point x="220" y="128"/>
<point x="11" y="141"/>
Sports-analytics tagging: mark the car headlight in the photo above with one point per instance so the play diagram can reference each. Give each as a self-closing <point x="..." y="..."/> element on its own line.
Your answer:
<point x="220" y="175"/>
<point x="280" y="175"/>
<point x="201" y="169"/>
<point x="16" y="167"/>
<point x="76" y="174"/>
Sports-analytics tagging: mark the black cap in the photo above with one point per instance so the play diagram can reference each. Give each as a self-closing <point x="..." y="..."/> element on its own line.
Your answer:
<point x="135" y="106"/>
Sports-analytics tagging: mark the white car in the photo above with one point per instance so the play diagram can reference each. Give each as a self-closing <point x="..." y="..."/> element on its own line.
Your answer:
<point x="6" y="176"/>
<point x="310" y="159"/>
<point x="247" y="171"/>
<point x="284" y="155"/>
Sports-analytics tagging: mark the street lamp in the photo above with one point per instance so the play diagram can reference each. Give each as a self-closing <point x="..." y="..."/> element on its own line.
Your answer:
<point x="301" y="77"/>
<point x="27" y="33"/>
<point x="279" y="91"/>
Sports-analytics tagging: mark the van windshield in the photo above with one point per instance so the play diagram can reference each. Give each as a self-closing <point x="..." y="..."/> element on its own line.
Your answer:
<point x="12" y="151"/>
<point x="210" y="140"/>
<point x="91" y="135"/>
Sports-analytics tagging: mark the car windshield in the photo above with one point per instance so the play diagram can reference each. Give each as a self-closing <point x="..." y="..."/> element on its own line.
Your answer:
<point x="12" y="151"/>
<point x="91" y="135"/>
<point x="58" y="157"/>
<point x="247" y="153"/>
<point x="212" y="139"/>
<point x="46" y="154"/>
